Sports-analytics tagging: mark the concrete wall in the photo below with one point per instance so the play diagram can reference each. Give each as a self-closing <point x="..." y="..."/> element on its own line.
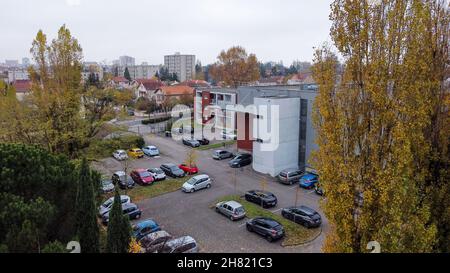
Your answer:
<point x="285" y="155"/>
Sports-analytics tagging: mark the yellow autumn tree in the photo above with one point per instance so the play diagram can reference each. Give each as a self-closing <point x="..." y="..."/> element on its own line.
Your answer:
<point x="372" y="119"/>
<point x="235" y="67"/>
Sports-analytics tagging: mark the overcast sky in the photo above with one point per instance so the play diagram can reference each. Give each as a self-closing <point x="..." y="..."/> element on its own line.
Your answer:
<point x="283" y="30"/>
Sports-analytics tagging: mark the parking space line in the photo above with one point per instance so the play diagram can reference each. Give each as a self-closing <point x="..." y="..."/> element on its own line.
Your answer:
<point x="275" y="211"/>
<point x="241" y="225"/>
<point x="311" y="192"/>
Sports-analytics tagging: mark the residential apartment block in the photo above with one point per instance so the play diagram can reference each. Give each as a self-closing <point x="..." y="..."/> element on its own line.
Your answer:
<point x="182" y="65"/>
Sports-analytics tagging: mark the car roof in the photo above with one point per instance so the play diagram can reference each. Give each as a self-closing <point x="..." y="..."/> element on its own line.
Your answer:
<point x="170" y="165"/>
<point x="140" y="170"/>
<point x="307" y="210"/>
<point x="148" y="222"/>
<point x="270" y="221"/>
<point x="128" y="205"/>
<point x="201" y="176"/>
<point x="158" y="234"/>
<point x="180" y="241"/>
<point x="151" y="146"/>
<point x="233" y="204"/>
<point x="120" y="173"/>
<point x="310" y="175"/>
<point x="135" y="149"/>
<point x="261" y="191"/>
<point x="120" y="151"/>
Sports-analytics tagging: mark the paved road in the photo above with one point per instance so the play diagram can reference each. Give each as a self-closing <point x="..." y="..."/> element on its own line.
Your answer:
<point x="191" y="214"/>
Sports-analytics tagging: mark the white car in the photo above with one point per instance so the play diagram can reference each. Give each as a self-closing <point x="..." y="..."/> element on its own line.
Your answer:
<point x="120" y="155"/>
<point x="157" y="174"/>
<point x="107" y="205"/>
<point x="196" y="183"/>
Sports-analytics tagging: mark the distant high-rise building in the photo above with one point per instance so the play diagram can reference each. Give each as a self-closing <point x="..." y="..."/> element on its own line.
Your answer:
<point x="127" y="61"/>
<point x="12" y="63"/>
<point x="25" y="62"/>
<point x="182" y="65"/>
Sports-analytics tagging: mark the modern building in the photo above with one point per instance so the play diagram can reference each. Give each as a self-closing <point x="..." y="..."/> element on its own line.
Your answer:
<point x="12" y="63"/>
<point x="25" y="62"/>
<point x="127" y="61"/>
<point x="142" y="71"/>
<point x="292" y="131"/>
<point x="182" y="65"/>
<point x="212" y="103"/>
<point x="15" y="74"/>
<point x="92" y="68"/>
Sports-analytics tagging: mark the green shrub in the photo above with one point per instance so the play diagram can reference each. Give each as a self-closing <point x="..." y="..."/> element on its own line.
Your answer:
<point x="105" y="148"/>
<point x="155" y="120"/>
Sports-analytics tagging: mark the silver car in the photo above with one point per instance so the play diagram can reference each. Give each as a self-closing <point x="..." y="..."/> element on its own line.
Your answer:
<point x="290" y="176"/>
<point x="196" y="183"/>
<point x="107" y="205"/>
<point x="120" y="155"/>
<point x="231" y="209"/>
<point x="185" y="244"/>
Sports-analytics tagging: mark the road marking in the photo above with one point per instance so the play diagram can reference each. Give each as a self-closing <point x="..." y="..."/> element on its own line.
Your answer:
<point x="274" y="211"/>
<point x="241" y="225"/>
<point x="311" y="192"/>
<point x="293" y="187"/>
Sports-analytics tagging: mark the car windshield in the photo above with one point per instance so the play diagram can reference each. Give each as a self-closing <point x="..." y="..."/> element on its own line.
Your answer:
<point x="240" y="210"/>
<point x="107" y="203"/>
<point x="145" y="174"/>
<point x="157" y="171"/>
<point x="283" y="174"/>
<point x="191" y="181"/>
<point x="106" y="182"/>
<point x="174" y="168"/>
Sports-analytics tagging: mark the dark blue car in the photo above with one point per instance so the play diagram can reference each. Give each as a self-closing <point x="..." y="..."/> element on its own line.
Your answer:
<point x="145" y="227"/>
<point x="308" y="180"/>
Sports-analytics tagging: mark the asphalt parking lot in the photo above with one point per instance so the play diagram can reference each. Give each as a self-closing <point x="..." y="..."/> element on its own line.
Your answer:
<point x="191" y="214"/>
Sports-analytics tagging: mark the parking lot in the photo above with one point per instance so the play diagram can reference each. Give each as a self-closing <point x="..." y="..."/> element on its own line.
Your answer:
<point x="192" y="214"/>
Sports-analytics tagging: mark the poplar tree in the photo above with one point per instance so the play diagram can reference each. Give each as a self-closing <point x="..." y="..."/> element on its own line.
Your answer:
<point x="126" y="74"/>
<point x="373" y="118"/>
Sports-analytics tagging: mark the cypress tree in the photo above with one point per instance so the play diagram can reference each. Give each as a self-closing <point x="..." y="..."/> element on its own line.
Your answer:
<point x="87" y="226"/>
<point x="126" y="74"/>
<point x="119" y="229"/>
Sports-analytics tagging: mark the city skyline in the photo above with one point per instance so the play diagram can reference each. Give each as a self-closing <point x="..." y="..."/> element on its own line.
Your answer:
<point x="201" y="28"/>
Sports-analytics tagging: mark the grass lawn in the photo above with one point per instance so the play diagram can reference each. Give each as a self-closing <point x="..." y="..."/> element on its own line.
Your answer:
<point x="295" y="233"/>
<point x="216" y="145"/>
<point x="139" y="193"/>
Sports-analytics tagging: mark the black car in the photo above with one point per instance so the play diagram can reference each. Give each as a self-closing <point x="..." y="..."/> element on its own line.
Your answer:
<point x="172" y="170"/>
<point x="303" y="215"/>
<point x="203" y="141"/>
<point x="123" y="180"/>
<point x="262" y="198"/>
<point x="129" y="209"/>
<point x="191" y="142"/>
<point x="269" y="228"/>
<point x="240" y="160"/>
<point x="222" y="154"/>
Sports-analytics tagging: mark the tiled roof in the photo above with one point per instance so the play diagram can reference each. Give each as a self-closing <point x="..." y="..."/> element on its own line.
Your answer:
<point x="22" y="86"/>
<point x="150" y="84"/>
<point x="196" y="83"/>
<point x="177" y="90"/>
<point x="120" y="79"/>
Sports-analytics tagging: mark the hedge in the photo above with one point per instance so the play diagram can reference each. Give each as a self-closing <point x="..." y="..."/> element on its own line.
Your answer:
<point x="155" y="120"/>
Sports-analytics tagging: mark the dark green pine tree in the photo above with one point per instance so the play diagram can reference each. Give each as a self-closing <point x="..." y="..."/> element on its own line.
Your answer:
<point x="119" y="229"/>
<point x="87" y="227"/>
<point x="126" y="74"/>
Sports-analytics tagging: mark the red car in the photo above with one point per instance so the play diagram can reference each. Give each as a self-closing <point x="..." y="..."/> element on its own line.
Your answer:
<point x="142" y="177"/>
<point x="189" y="169"/>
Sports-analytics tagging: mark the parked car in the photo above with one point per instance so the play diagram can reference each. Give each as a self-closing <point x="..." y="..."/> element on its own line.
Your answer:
<point x="185" y="244"/>
<point x="130" y="112"/>
<point x="107" y="185"/>
<point x="302" y="215"/>
<point x="222" y="154"/>
<point x="263" y="198"/>
<point x="143" y="228"/>
<point x="266" y="227"/>
<point x="120" y="155"/>
<point x="107" y="205"/>
<point x="142" y="177"/>
<point x="289" y="176"/>
<point x="172" y="170"/>
<point x="241" y="160"/>
<point x="191" y="142"/>
<point x="153" y="242"/>
<point x="197" y="183"/>
<point x="150" y="151"/>
<point x="128" y="209"/>
<point x="135" y="153"/>
<point x="203" y="141"/>
<point x="319" y="190"/>
<point x="308" y="180"/>
<point x="157" y="174"/>
<point x="231" y="209"/>
<point x="125" y="181"/>
<point x="189" y="169"/>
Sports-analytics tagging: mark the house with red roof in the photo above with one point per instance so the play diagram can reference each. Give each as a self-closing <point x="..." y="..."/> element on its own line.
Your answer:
<point x="176" y="91"/>
<point x="146" y="87"/>
<point x="120" y="83"/>
<point x="22" y="87"/>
